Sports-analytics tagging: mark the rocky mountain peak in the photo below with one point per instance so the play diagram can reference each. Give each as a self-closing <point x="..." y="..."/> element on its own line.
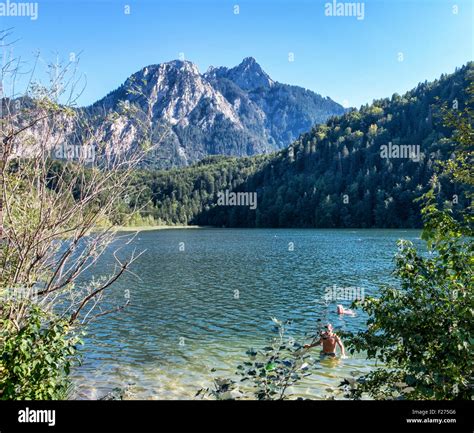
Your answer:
<point x="218" y="112"/>
<point x="248" y="61"/>
<point x="165" y="72"/>
<point x="249" y="75"/>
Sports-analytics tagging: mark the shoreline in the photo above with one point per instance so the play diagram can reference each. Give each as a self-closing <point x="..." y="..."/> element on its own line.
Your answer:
<point x="153" y="228"/>
<point x="129" y="229"/>
<point x="182" y="227"/>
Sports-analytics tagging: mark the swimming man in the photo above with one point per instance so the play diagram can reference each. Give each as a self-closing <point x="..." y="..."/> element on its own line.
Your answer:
<point x="329" y="340"/>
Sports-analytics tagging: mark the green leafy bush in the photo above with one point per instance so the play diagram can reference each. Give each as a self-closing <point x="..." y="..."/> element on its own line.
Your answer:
<point x="268" y="374"/>
<point x="36" y="359"/>
<point x="422" y="332"/>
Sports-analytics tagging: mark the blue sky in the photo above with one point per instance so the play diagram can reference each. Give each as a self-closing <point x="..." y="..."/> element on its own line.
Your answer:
<point x="345" y="58"/>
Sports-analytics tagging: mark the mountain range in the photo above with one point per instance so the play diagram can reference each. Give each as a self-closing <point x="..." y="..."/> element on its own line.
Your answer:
<point x="338" y="174"/>
<point x="237" y="111"/>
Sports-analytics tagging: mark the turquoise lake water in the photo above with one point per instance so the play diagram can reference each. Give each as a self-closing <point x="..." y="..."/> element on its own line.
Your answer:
<point x="199" y="298"/>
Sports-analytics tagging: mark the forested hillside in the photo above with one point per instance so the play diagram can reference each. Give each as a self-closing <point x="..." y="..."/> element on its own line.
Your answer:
<point x="333" y="176"/>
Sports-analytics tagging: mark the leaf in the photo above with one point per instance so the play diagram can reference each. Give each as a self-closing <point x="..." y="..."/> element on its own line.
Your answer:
<point x="270" y="366"/>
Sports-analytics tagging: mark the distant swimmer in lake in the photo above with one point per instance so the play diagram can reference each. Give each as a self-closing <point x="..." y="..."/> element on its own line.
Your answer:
<point x="342" y="310"/>
<point x="329" y="340"/>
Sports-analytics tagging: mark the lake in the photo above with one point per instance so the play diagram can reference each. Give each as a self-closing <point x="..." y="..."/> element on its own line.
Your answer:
<point x="199" y="298"/>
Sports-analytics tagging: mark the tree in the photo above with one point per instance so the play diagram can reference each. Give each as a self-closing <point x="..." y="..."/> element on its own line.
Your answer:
<point x="422" y="332"/>
<point x="51" y="218"/>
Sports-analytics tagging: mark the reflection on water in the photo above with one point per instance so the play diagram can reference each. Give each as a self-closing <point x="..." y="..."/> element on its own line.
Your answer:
<point x="203" y="307"/>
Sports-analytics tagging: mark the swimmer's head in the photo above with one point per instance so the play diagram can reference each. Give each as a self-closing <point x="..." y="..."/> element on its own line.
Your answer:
<point x="340" y="309"/>
<point x="328" y="327"/>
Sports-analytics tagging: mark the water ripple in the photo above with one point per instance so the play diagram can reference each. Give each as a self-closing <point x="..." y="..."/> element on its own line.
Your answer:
<point x="201" y="308"/>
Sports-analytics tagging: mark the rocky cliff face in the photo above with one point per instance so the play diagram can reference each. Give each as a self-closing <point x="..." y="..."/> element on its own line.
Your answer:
<point x="248" y="75"/>
<point x="187" y="115"/>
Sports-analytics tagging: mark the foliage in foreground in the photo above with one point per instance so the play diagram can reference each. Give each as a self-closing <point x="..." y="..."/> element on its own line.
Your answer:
<point x="35" y="362"/>
<point x="268" y="374"/>
<point x="50" y="238"/>
<point x="423" y="332"/>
